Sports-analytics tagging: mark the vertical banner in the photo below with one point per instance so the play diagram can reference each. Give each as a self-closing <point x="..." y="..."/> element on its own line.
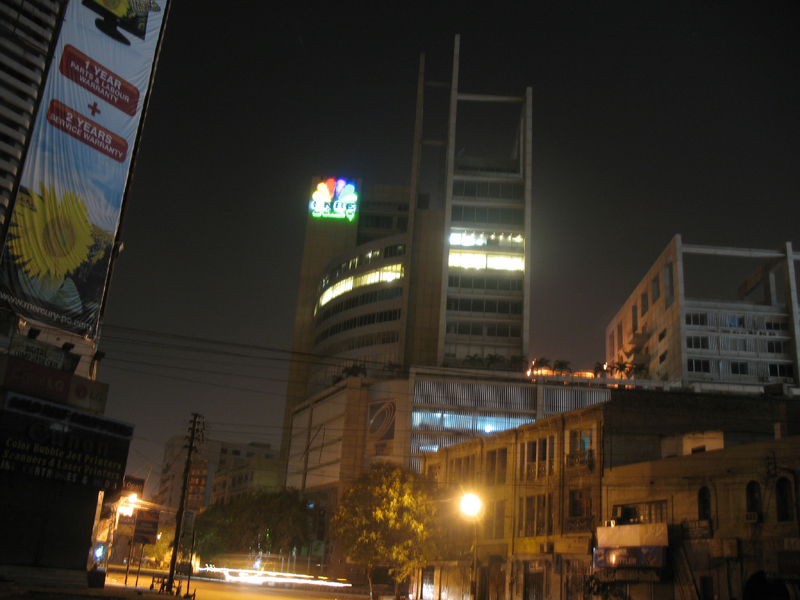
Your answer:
<point x="67" y="208"/>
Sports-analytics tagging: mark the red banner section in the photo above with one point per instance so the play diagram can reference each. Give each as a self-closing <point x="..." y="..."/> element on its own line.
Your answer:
<point x="105" y="84"/>
<point x="87" y="131"/>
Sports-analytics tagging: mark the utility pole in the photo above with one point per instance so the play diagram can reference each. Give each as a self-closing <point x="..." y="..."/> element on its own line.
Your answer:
<point x="195" y="435"/>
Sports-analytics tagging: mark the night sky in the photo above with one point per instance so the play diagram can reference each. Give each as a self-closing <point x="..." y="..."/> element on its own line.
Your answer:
<point x="650" y="119"/>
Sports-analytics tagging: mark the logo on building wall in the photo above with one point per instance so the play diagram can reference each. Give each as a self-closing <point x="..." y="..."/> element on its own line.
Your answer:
<point x="380" y="437"/>
<point x="334" y="199"/>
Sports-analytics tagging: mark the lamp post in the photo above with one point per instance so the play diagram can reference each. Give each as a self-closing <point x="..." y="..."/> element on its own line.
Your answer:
<point x="471" y="506"/>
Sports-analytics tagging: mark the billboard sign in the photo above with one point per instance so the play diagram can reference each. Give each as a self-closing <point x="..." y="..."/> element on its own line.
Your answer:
<point x="42" y="439"/>
<point x="146" y="529"/>
<point x="67" y="209"/>
<point x="637" y="557"/>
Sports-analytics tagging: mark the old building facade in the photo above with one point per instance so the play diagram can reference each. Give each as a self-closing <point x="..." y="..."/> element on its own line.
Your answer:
<point x="667" y="493"/>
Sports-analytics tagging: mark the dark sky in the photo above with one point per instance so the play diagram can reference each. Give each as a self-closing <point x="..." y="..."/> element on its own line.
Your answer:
<point x="650" y="119"/>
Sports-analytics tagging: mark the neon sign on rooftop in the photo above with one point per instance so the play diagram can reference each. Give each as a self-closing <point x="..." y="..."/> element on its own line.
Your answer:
<point x="334" y="199"/>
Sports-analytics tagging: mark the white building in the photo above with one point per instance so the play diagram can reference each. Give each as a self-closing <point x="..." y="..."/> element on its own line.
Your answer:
<point x="739" y="339"/>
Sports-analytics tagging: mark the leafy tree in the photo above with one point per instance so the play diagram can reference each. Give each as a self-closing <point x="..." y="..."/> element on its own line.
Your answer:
<point x="641" y="370"/>
<point x="494" y="360"/>
<point x="259" y="522"/>
<point x="541" y="363"/>
<point x="387" y="517"/>
<point x="473" y="360"/>
<point x="517" y="362"/>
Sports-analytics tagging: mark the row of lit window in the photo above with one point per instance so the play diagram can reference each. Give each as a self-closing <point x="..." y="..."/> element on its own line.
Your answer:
<point x="470" y="239"/>
<point x="361" y="260"/>
<point x="482" y="260"/>
<point x="384" y="274"/>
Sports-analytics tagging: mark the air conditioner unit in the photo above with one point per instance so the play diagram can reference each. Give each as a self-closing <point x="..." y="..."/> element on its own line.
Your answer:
<point x="616" y="512"/>
<point x="753" y="517"/>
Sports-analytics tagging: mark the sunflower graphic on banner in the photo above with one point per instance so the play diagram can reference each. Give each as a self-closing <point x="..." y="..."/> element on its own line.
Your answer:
<point x="66" y="210"/>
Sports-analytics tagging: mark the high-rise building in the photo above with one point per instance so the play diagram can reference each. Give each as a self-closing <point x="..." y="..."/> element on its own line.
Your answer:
<point x="713" y="318"/>
<point x="430" y="277"/>
<point x="413" y="311"/>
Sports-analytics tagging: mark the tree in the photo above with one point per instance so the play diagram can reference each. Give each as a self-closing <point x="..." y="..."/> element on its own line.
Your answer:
<point x="354" y="370"/>
<point x="517" y="362"/>
<point x="387" y="517"/>
<point x="641" y="370"/>
<point x="601" y="369"/>
<point x="473" y="360"/>
<point x="562" y="366"/>
<point x="541" y="363"/>
<point x="259" y="522"/>
<point x="494" y="360"/>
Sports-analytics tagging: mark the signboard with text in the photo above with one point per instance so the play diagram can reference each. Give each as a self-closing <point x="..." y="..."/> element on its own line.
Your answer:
<point x="636" y="557"/>
<point x="146" y="530"/>
<point x="67" y="208"/>
<point x="45" y="440"/>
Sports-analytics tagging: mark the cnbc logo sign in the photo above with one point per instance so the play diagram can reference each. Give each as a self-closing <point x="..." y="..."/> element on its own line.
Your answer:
<point x="334" y="199"/>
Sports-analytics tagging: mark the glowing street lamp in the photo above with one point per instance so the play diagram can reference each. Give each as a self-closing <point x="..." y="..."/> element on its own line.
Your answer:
<point x="471" y="506"/>
<point x="124" y="506"/>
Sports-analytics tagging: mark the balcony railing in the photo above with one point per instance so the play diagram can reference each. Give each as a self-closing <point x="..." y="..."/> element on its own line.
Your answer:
<point x="578" y="525"/>
<point x="537" y="470"/>
<point x="580" y="458"/>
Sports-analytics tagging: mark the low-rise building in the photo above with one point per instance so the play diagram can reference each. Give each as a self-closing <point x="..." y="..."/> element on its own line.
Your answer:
<point x="212" y="457"/>
<point x="722" y="319"/>
<point x="552" y="490"/>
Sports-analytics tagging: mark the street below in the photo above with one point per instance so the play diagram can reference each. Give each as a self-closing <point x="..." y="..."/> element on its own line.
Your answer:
<point x="221" y="590"/>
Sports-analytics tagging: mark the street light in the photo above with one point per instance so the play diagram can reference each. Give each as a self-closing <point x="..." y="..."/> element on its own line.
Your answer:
<point x="471" y="506"/>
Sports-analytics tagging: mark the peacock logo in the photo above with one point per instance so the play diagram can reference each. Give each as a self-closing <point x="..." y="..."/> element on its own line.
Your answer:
<point x="334" y="199"/>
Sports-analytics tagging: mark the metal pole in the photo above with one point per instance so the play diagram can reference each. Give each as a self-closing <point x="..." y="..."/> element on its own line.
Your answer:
<point x="130" y="555"/>
<point x="139" y="570"/>
<point x="473" y="573"/>
<point x="191" y="568"/>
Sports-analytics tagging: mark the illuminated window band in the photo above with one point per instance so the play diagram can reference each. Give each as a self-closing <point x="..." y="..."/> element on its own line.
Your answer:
<point x="387" y="273"/>
<point x="334" y="199"/>
<point x="478" y="260"/>
<point x="470" y="239"/>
